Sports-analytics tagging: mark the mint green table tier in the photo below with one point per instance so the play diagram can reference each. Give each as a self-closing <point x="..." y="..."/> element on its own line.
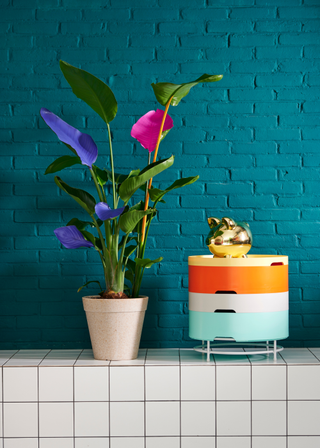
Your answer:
<point x="242" y="327"/>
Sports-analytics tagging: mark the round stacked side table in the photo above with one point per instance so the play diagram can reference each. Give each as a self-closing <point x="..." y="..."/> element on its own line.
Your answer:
<point x="245" y="300"/>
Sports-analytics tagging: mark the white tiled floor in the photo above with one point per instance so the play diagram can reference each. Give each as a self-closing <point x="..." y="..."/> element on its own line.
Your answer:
<point x="166" y="398"/>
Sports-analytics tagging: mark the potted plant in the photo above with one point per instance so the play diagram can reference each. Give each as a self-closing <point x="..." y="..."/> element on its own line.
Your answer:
<point x="115" y="316"/>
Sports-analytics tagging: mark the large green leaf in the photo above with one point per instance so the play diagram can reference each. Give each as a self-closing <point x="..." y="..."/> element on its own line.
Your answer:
<point x="156" y="194"/>
<point x="120" y="178"/>
<point x="80" y="225"/>
<point x="61" y="163"/>
<point x="82" y="197"/>
<point x="101" y="175"/>
<point x="165" y="90"/>
<point x="146" y="263"/>
<point x="91" y="90"/>
<point x="71" y="149"/>
<point x="131" y="185"/>
<point x="129" y="220"/>
<point x="91" y="281"/>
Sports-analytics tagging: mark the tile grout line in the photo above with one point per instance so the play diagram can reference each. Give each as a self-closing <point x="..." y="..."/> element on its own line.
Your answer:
<point x="251" y="404"/>
<point x="216" y="404"/>
<point x="180" y="399"/>
<point x="287" y="407"/>
<point x="74" y="404"/>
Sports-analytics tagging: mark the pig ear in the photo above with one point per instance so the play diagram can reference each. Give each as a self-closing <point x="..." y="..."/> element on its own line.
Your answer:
<point x="229" y="223"/>
<point x="213" y="222"/>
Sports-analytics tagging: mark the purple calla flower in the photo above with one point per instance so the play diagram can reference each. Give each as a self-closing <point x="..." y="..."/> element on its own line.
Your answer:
<point x="71" y="237"/>
<point x="83" y="144"/>
<point x="104" y="212"/>
<point x="146" y="129"/>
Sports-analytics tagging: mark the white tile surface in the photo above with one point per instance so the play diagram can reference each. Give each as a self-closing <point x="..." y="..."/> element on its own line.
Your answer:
<point x="86" y="359"/>
<point x="20" y="384"/>
<point x="197" y="382"/>
<point x="197" y="442"/>
<point x="232" y="359"/>
<point x="162" y="418"/>
<point x="55" y="384"/>
<point x="139" y="361"/>
<point x="298" y="356"/>
<point x="265" y="359"/>
<point x="20" y="420"/>
<point x="127" y="383"/>
<point x="303" y="442"/>
<point x="56" y="419"/>
<point x="126" y="442"/>
<point x="191" y="357"/>
<point x="91" y="419"/>
<point x="61" y="358"/>
<point x="5" y="355"/>
<point x="162" y="382"/>
<point x="198" y="418"/>
<point x="27" y="358"/>
<point x="1" y="422"/>
<point x="268" y="442"/>
<point x="269" y="383"/>
<point x="21" y="443"/>
<point x="315" y="351"/>
<point x="233" y="382"/>
<point x="56" y="442"/>
<point x="269" y="418"/>
<point x="162" y="356"/>
<point x="160" y="442"/>
<point x="234" y="442"/>
<point x="303" y="418"/>
<point x="304" y="382"/>
<point x="233" y="418"/>
<point x="93" y="442"/>
<point x="91" y="383"/>
<point x="127" y="419"/>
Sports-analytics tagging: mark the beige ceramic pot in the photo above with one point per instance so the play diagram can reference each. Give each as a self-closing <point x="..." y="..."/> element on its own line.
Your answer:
<point x="115" y="326"/>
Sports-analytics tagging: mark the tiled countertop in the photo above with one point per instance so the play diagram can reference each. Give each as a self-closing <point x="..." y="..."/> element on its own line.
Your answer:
<point x="174" y="356"/>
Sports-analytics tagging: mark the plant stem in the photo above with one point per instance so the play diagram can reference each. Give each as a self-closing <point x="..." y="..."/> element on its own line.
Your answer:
<point x="102" y="197"/>
<point x="154" y="159"/>
<point x="112" y="167"/>
<point x="96" y="184"/>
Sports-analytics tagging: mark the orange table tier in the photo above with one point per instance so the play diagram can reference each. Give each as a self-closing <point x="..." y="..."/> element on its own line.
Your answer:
<point x="241" y="280"/>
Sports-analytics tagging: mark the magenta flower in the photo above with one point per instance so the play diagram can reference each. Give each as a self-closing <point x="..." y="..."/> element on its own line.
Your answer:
<point x="83" y="144"/>
<point x="146" y="129"/>
<point x="104" y="212"/>
<point x="71" y="237"/>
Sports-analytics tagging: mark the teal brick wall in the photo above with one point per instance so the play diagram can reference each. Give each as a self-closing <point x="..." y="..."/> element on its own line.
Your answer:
<point x="253" y="138"/>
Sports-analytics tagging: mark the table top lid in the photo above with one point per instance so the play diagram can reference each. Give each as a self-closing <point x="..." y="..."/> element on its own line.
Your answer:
<point x="251" y="260"/>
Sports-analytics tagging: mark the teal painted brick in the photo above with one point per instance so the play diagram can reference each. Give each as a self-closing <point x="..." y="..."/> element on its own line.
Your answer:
<point x="209" y="148"/>
<point x="254" y="121"/>
<point x="276" y="108"/>
<point x="277" y="134"/>
<point x="231" y="161"/>
<point x="280" y="52"/>
<point x="303" y="13"/>
<point x="245" y="188"/>
<point x="270" y="26"/>
<point x="298" y="228"/>
<point x="311" y="25"/>
<point x="203" y="201"/>
<point x="251" y="94"/>
<point x="253" y="13"/>
<point x="249" y="201"/>
<point x="246" y="40"/>
<point x="233" y="26"/>
<point x="229" y="54"/>
<point x="278" y="79"/>
<point x="184" y="28"/>
<point x="310" y="93"/>
<point x="193" y="41"/>
<point x="278" y="160"/>
<point x="156" y="14"/>
<point x="253" y="66"/>
<point x="197" y="15"/>
<point x="288" y="188"/>
<point x="253" y="174"/>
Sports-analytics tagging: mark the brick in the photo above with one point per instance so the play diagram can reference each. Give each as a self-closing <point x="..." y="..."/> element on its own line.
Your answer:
<point x="278" y="160"/>
<point x="254" y="174"/>
<point x="311" y="25"/>
<point x="225" y="189"/>
<point x="277" y="134"/>
<point x="253" y="66"/>
<point x="227" y="26"/>
<point x="253" y="13"/>
<point x="277" y="26"/>
<point x="293" y="228"/>
<point x="276" y="108"/>
<point x="278" y="79"/>
<point x="302" y="13"/>
<point x="253" y="121"/>
<point x="279" y="188"/>
<point x="251" y="94"/>
<point x="156" y="14"/>
<point x="248" y="201"/>
<point x="207" y="41"/>
<point x="229" y="54"/>
<point x="298" y="147"/>
<point x="131" y="54"/>
<point x="301" y="65"/>
<point x="184" y="28"/>
<point x="246" y="40"/>
<point x="197" y="15"/>
<point x="203" y="201"/>
<point x="280" y="52"/>
<point x="299" y="39"/>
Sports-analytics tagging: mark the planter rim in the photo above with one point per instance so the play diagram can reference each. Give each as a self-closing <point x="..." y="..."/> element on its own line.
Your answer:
<point x="95" y="304"/>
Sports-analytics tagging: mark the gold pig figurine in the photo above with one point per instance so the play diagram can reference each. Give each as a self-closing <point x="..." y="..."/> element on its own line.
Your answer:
<point x="228" y="238"/>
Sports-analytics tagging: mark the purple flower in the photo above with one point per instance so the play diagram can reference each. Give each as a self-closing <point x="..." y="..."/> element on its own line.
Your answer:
<point x="71" y="237"/>
<point x="146" y="129"/>
<point x="83" y="144"/>
<point x="104" y="212"/>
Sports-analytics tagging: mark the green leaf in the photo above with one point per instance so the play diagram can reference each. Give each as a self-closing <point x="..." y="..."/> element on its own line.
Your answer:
<point x="80" y="225"/>
<point x="164" y="133"/>
<point x="156" y="194"/>
<point x="131" y="238"/>
<point x="61" y="163"/>
<point x="146" y="263"/>
<point x="131" y="265"/>
<point x="91" y="90"/>
<point x="131" y="185"/>
<point x="120" y="178"/>
<point x="86" y="284"/>
<point x="129" y="250"/>
<point x="165" y="90"/>
<point x="129" y="276"/>
<point x="82" y="197"/>
<point x="89" y="237"/>
<point x="101" y="175"/>
<point x="129" y="220"/>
